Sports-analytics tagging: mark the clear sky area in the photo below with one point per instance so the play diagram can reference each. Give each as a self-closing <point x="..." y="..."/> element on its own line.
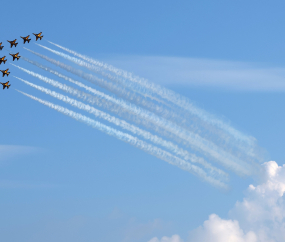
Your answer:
<point x="143" y="121"/>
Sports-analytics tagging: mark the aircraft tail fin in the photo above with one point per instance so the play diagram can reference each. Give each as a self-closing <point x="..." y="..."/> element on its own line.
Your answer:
<point x="29" y="40"/>
<point x="16" y="44"/>
<point x="4" y="61"/>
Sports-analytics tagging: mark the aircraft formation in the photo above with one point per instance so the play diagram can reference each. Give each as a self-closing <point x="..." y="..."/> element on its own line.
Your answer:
<point x="15" y="56"/>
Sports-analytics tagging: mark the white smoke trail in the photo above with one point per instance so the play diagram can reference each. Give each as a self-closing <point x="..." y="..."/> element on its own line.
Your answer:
<point x="79" y="84"/>
<point x="104" y="100"/>
<point x="148" y="148"/>
<point x="249" y="149"/>
<point x="164" y="114"/>
<point x="98" y="70"/>
<point x="194" y="140"/>
<point x="101" y="99"/>
<point x="159" y="110"/>
<point x="118" y="90"/>
<point x="134" y="98"/>
<point x="135" y="130"/>
<point x="246" y="150"/>
<point x="169" y="95"/>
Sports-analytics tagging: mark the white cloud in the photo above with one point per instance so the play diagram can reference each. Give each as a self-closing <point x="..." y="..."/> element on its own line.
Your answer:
<point x="260" y="217"/>
<point x="219" y="230"/>
<point x="263" y="209"/>
<point x="204" y="72"/>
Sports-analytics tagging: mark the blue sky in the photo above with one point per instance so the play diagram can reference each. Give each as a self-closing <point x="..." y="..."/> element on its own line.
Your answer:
<point x="62" y="180"/>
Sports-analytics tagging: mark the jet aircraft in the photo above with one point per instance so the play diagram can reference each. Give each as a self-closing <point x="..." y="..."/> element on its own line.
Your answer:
<point x="2" y="60"/>
<point x="13" y="42"/>
<point x="5" y="72"/>
<point x="38" y="36"/>
<point x="26" y="39"/>
<point x="5" y="85"/>
<point x="1" y="47"/>
<point x="15" y="56"/>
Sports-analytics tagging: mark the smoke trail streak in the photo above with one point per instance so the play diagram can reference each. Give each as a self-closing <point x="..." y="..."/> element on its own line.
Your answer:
<point x="148" y="148"/>
<point x="97" y="70"/>
<point x="194" y="140"/>
<point x="250" y="150"/>
<point x="158" y="109"/>
<point x="247" y="150"/>
<point x="135" y="130"/>
<point x="164" y="114"/>
<point x="169" y="95"/>
<point x="103" y="100"/>
<point x="118" y="90"/>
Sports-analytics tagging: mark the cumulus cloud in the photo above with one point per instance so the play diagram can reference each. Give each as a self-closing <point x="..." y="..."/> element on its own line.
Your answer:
<point x="260" y="217"/>
<point x="219" y="230"/>
<point x="263" y="210"/>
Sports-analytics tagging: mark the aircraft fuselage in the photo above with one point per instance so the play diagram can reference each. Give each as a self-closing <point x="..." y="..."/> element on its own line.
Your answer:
<point x="5" y="72"/>
<point x="38" y="36"/>
<point x="13" y="43"/>
<point x="5" y="85"/>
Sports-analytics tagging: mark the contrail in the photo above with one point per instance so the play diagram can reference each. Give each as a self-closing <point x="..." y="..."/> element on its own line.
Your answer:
<point x="164" y="114"/>
<point x="158" y="109"/>
<point x="148" y="148"/>
<point x="101" y="99"/>
<point x="194" y="140"/>
<point x="98" y="70"/>
<point x="121" y="103"/>
<point x="114" y="88"/>
<point x="135" y="130"/>
<point x="249" y="151"/>
<point x="169" y="95"/>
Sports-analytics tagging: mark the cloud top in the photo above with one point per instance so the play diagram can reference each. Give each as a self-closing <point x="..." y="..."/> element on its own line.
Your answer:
<point x="260" y="217"/>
